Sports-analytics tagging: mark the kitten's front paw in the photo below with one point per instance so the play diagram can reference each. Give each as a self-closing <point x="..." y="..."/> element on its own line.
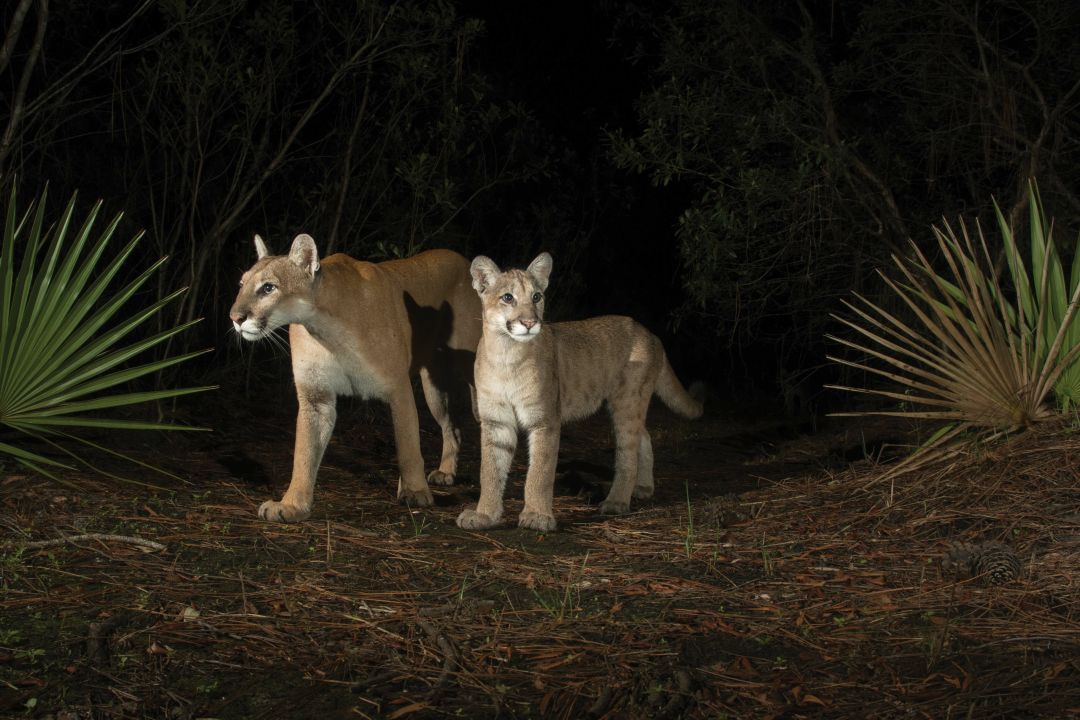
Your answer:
<point x="614" y="507"/>
<point x="417" y="498"/>
<point x="275" y="511"/>
<point x="469" y="519"/>
<point x="438" y="477"/>
<point x="536" y="521"/>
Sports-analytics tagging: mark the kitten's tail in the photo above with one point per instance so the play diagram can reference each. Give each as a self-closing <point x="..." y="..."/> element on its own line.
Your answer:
<point x="675" y="396"/>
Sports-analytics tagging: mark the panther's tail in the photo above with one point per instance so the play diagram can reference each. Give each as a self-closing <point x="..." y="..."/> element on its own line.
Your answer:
<point x="675" y="396"/>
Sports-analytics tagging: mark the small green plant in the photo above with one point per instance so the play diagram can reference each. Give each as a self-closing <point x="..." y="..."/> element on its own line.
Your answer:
<point x="31" y="655"/>
<point x="418" y="526"/>
<point x="62" y="325"/>
<point x="461" y="589"/>
<point x="207" y="688"/>
<point x="714" y="560"/>
<point x="565" y="603"/>
<point x="766" y="562"/>
<point x="768" y="565"/>
<point x="10" y="636"/>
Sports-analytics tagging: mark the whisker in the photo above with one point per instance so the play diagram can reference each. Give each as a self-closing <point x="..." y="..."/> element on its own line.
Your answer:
<point x="234" y="337"/>
<point x="279" y="340"/>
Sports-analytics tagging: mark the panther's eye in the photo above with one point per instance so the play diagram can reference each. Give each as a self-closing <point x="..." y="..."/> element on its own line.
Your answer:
<point x="507" y="298"/>
<point x="266" y="288"/>
<point x="537" y="297"/>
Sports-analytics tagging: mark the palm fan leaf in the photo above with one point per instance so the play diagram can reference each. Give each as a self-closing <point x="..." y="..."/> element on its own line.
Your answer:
<point x="63" y="325"/>
<point x="985" y="363"/>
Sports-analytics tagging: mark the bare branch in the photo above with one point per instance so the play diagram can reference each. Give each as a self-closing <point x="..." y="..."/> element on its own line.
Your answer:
<point x="72" y="539"/>
<point x="14" y="30"/>
<point x="19" y="102"/>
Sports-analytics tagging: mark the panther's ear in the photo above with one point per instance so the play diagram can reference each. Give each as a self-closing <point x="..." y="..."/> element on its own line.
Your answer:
<point x="540" y="269"/>
<point x="260" y="247"/>
<point x="304" y="255"/>
<point x="483" y="271"/>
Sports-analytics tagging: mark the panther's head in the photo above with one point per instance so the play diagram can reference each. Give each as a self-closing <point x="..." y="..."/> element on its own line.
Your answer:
<point x="277" y="290"/>
<point x="512" y="301"/>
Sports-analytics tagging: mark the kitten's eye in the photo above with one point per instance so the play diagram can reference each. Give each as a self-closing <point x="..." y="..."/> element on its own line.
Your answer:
<point x="507" y="298"/>
<point x="266" y="288"/>
<point x="537" y="297"/>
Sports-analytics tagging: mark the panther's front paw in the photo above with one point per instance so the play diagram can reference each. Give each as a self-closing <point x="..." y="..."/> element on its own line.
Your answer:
<point x="472" y="520"/>
<point x="438" y="477"/>
<point x="643" y="492"/>
<point x="275" y="511"/>
<point x="536" y="521"/>
<point x="418" y="498"/>
<point x="614" y="507"/>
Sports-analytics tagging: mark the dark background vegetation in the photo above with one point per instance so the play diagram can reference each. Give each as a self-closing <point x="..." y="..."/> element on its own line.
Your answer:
<point x="724" y="171"/>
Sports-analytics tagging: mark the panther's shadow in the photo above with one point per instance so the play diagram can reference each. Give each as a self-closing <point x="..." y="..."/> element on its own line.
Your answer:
<point x="450" y="368"/>
<point x="583" y="479"/>
<point x="245" y="468"/>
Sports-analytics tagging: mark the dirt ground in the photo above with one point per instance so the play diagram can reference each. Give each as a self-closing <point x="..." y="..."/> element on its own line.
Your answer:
<point x="773" y="575"/>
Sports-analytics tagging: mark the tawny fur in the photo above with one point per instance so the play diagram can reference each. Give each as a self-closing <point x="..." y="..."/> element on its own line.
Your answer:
<point x="365" y="329"/>
<point x="532" y="376"/>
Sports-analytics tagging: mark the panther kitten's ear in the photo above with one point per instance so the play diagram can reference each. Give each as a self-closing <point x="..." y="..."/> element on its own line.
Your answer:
<point x="304" y="255"/>
<point x="540" y="269"/>
<point x="260" y="247"/>
<point x="483" y="271"/>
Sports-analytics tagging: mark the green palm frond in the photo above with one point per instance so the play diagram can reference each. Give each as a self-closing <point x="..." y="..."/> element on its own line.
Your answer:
<point x="63" y="325"/>
<point x="983" y="358"/>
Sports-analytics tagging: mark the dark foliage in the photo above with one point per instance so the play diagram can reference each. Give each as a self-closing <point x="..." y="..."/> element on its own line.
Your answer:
<point x="777" y="152"/>
<point x="812" y="140"/>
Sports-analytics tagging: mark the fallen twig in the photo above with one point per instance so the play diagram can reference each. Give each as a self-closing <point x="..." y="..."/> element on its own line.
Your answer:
<point x="448" y="651"/>
<point x="38" y="544"/>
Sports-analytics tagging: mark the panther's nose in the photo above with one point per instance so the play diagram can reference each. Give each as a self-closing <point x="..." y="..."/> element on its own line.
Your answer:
<point x="237" y="317"/>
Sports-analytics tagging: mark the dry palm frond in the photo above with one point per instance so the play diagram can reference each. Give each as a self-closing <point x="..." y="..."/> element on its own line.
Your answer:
<point x="983" y="365"/>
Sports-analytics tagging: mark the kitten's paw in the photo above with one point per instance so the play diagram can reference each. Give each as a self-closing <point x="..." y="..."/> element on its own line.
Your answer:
<point x="536" y="521"/>
<point x="614" y="507"/>
<point x="421" y="497"/>
<point x="275" y="511"/>
<point x="438" y="477"/>
<point x="643" y="492"/>
<point x="469" y="519"/>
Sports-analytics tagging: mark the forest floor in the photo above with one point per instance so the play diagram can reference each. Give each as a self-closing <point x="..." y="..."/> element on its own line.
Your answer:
<point x="773" y="575"/>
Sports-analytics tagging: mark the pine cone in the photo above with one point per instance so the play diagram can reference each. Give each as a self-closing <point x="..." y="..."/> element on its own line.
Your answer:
<point x="997" y="562"/>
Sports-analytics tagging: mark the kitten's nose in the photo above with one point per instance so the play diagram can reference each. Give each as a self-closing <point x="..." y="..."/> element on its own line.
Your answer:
<point x="528" y="323"/>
